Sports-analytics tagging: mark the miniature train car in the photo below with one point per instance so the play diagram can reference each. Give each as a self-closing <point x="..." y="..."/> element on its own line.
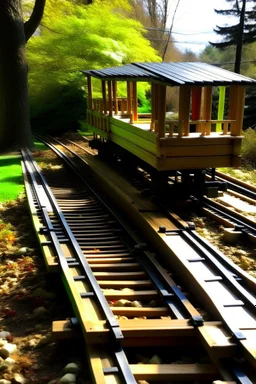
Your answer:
<point x="194" y="141"/>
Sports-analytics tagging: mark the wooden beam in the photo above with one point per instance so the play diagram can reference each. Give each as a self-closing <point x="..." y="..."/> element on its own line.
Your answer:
<point x="207" y="110"/>
<point x="114" y="85"/>
<point x="134" y="101"/>
<point x="183" y="372"/>
<point x="129" y="97"/>
<point x="110" y="98"/>
<point x="184" y="109"/>
<point x="104" y="95"/>
<point x="89" y="85"/>
<point x="153" y="107"/>
<point x="161" y="110"/>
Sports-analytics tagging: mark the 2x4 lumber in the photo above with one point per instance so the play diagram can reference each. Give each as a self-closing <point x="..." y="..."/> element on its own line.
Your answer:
<point x="138" y="151"/>
<point x="153" y="111"/>
<point x="89" y="85"/>
<point x="129" y="97"/>
<point x="200" y="150"/>
<point x="134" y="101"/>
<point x="161" y="110"/>
<point x="207" y="109"/>
<point x="202" y="140"/>
<point x="195" y="162"/>
<point x="119" y="275"/>
<point x="104" y="95"/>
<point x="147" y="135"/>
<point x="156" y="105"/>
<point x="146" y="145"/>
<point x="183" y="372"/>
<point x="184" y="109"/>
<point x="114" y="85"/>
<point x="141" y="311"/>
<point x="110" y="98"/>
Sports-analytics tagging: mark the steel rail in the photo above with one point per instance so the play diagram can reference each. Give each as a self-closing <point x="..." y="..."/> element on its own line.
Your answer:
<point x="238" y="335"/>
<point x="122" y="363"/>
<point x="241" y="223"/>
<point x="169" y="291"/>
<point x="236" y="184"/>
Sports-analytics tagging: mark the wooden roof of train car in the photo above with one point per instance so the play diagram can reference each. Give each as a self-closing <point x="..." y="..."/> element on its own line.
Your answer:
<point x="173" y="74"/>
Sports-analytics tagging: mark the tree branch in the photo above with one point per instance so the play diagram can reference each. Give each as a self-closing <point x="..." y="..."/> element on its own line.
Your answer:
<point x="31" y="25"/>
<point x="170" y="30"/>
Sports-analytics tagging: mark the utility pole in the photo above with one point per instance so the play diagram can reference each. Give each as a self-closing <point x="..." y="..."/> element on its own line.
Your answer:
<point x="240" y="35"/>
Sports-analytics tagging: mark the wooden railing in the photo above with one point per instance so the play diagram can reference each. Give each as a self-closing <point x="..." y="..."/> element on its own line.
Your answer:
<point x="202" y="126"/>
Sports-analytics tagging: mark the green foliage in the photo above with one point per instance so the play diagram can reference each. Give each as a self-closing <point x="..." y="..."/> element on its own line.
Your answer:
<point x="11" y="179"/>
<point x="72" y="38"/>
<point x="249" y="147"/>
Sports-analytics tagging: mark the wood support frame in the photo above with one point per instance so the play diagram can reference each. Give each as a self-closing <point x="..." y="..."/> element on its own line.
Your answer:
<point x="89" y="85"/>
<point x="110" y="98"/>
<point x="104" y="95"/>
<point x="129" y="97"/>
<point x="236" y="108"/>
<point x="134" y="101"/>
<point x="161" y="110"/>
<point x="184" y="110"/>
<point x="207" y="110"/>
<point x="114" y="86"/>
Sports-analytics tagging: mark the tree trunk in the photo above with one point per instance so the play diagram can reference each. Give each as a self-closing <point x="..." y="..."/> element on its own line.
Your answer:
<point x="15" y="128"/>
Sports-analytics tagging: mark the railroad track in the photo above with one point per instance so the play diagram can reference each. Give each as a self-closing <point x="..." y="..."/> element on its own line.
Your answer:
<point x="127" y="270"/>
<point x="236" y="185"/>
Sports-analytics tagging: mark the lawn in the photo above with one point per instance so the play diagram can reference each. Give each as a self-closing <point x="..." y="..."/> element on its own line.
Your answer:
<point x="11" y="179"/>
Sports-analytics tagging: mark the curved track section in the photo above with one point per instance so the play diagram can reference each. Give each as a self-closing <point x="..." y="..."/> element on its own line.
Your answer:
<point x="112" y="256"/>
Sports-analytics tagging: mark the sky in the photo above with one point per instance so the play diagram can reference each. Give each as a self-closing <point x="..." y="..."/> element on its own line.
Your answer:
<point x="195" y="20"/>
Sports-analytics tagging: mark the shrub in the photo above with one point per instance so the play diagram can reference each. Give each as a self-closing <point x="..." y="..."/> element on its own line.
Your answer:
<point x="249" y="147"/>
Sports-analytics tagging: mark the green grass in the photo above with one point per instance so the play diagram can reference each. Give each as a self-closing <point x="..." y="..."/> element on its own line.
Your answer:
<point x="11" y="179"/>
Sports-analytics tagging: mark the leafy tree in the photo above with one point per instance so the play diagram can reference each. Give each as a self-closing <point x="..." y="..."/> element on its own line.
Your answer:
<point x="79" y="37"/>
<point x="14" y="111"/>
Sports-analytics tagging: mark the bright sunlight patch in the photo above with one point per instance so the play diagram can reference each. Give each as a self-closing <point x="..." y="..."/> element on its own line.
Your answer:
<point x="11" y="179"/>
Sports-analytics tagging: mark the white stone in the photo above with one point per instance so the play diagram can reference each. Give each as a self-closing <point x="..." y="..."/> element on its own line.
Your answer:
<point x="7" y="350"/>
<point x="4" y="334"/>
<point x="18" y="378"/>
<point x="32" y="343"/>
<point x="3" y="342"/>
<point x="69" y="378"/>
<point x="71" y="368"/>
<point x="9" y="361"/>
<point x="3" y="381"/>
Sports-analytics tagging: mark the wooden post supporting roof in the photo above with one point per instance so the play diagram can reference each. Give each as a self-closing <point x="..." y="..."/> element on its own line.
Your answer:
<point x="89" y="84"/>
<point x="104" y="95"/>
<point x="161" y="110"/>
<point x="110" y="98"/>
<point x="156" y="106"/>
<point x="153" y="108"/>
<point x="207" y="109"/>
<point x="129" y="97"/>
<point x="236" y="108"/>
<point x="115" y="97"/>
<point x="184" y="109"/>
<point x="134" y="101"/>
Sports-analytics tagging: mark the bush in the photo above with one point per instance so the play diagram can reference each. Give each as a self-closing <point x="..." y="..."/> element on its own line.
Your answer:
<point x="249" y="147"/>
